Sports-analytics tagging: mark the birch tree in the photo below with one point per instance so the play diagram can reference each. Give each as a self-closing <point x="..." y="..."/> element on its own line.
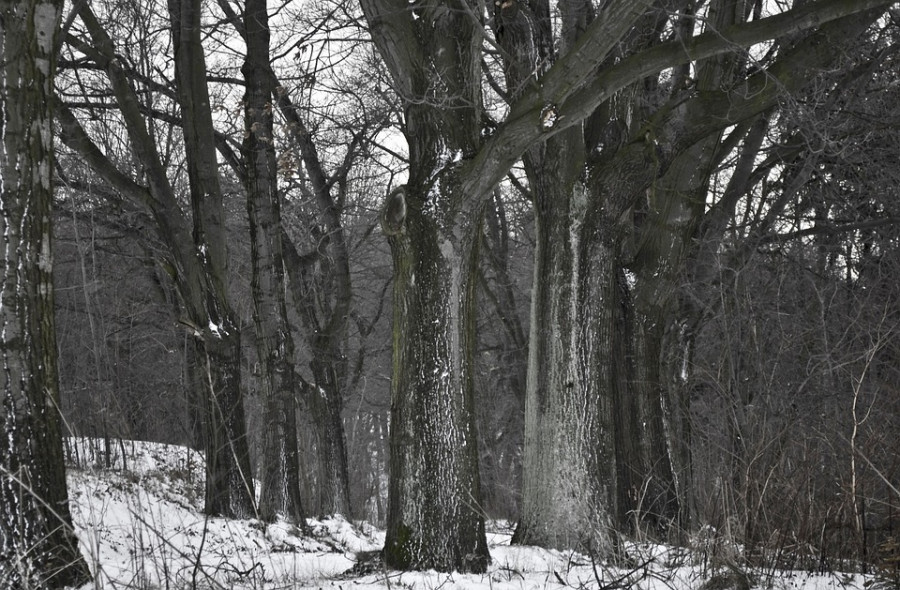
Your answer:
<point x="38" y="547"/>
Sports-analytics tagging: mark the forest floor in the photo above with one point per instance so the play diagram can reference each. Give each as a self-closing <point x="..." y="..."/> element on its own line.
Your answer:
<point x="137" y="512"/>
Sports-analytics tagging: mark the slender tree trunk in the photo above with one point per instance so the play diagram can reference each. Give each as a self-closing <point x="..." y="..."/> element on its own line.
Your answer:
<point x="280" y="480"/>
<point x="229" y="489"/>
<point x="38" y="547"/>
<point x="326" y="406"/>
<point x="321" y="288"/>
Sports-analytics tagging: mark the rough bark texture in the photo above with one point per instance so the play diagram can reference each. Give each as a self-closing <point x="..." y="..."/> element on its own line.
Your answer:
<point x="433" y="224"/>
<point x="566" y="482"/>
<point x="327" y="404"/>
<point x="38" y="548"/>
<point x="607" y="72"/>
<point x="648" y="158"/>
<point x="280" y="477"/>
<point x="434" y="519"/>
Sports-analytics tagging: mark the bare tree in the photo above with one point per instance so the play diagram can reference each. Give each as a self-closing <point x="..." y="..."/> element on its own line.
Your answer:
<point x="194" y="258"/>
<point x="38" y="547"/>
<point x="433" y="51"/>
<point x="280" y="492"/>
<point x="618" y="201"/>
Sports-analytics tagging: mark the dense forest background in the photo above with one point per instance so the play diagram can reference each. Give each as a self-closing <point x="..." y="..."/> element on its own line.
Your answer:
<point x="781" y="334"/>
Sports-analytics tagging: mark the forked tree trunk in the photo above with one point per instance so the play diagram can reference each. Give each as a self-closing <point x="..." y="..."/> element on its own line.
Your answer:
<point x="324" y="396"/>
<point x="229" y="486"/>
<point x="38" y="547"/>
<point x="321" y="288"/>
<point x="325" y="324"/>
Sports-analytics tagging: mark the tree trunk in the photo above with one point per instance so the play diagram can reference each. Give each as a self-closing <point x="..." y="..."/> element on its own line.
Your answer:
<point x="325" y="326"/>
<point x="434" y="517"/>
<point x="38" y="547"/>
<point x="196" y="273"/>
<point x="280" y="479"/>
<point x="321" y="288"/>
<point x="229" y="485"/>
<point x="326" y="404"/>
<point x="229" y="489"/>
<point x="567" y="477"/>
<point x="434" y="225"/>
<point x="425" y="48"/>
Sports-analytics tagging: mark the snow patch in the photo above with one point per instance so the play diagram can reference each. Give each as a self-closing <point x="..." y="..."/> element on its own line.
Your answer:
<point x="218" y="331"/>
<point x="137" y="513"/>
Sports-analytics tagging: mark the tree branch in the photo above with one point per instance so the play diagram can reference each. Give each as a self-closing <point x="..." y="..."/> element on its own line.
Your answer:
<point x="572" y="100"/>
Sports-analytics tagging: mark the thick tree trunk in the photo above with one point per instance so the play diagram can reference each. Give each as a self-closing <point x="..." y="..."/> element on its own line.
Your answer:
<point x="434" y="517"/>
<point x="434" y="224"/>
<point x="280" y="479"/>
<point x="567" y="472"/>
<point x="567" y="476"/>
<point x="654" y="501"/>
<point x="663" y="501"/>
<point x="38" y="547"/>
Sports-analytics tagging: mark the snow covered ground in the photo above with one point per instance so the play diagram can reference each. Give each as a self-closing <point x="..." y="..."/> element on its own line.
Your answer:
<point x="138" y="517"/>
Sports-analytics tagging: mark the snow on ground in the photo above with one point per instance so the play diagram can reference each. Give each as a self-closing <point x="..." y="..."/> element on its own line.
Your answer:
<point x="139" y="519"/>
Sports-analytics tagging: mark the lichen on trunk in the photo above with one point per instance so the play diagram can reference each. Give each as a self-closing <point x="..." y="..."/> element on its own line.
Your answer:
<point x="434" y="518"/>
<point x="568" y="474"/>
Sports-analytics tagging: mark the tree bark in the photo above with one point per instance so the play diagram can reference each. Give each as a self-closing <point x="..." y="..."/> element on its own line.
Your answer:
<point x="280" y="478"/>
<point x="220" y="357"/>
<point x="324" y="396"/>
<point x="38" y="547"/>
<point x="567" y="479"/>
<point x="434" y="518"/>
<point x="419" y="51"/>
<point x="321" y="288"/>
